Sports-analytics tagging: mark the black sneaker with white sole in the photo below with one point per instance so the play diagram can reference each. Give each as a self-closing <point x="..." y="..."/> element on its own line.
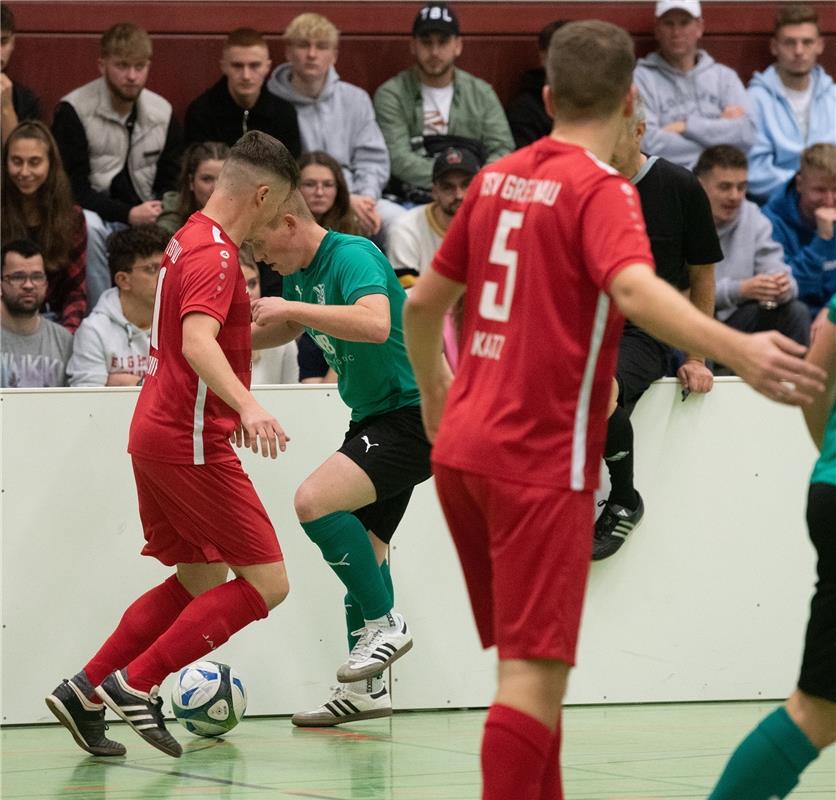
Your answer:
<point x="143" y="711"/>
<point x="83" y="718"/>
<point x="613" y="527"/>
<point x="346" y="705"/>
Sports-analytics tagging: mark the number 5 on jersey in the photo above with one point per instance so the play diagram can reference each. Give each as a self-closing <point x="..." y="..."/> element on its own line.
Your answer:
<point x="489" y="305"/>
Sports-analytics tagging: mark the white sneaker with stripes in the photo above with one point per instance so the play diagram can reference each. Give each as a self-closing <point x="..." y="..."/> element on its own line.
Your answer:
<point x="346" y="705"/>
<point x="376" y="649"/>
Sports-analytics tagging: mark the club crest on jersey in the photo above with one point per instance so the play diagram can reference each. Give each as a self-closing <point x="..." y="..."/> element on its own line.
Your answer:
<point x="319" y="291"/>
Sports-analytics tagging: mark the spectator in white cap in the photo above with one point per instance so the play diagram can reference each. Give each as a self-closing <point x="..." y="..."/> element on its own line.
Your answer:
<point x="691" y="101"/>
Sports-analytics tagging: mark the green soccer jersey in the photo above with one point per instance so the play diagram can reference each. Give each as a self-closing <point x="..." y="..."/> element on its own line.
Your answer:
<point x="825" y="469"/>
<point x="372" y="378"/>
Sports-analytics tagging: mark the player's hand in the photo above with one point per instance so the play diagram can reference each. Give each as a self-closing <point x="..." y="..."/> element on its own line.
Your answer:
<point x="773" y="365"/>
<point x="270" y="310"/>
<point x="433" y="398"/>
<point x="261" y="431"/>
<point x="695" y="376"/>
<point x="145" y="213"/>
<point x="366" y="210"/>
<point x="825" y="219"/>
<point x="679" y="126"/>
<point x="733" y="112"/>
<point x="818" y="324"/>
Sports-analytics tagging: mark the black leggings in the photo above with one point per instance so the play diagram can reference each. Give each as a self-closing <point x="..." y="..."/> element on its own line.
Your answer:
<point x="818" y="669"/>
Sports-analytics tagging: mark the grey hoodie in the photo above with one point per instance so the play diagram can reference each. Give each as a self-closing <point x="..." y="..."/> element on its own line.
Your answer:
<point x="698" y="97"/>
<point x="106" y="342"/>
<point x="341" y="122"/>
<point x="749" y="250"/>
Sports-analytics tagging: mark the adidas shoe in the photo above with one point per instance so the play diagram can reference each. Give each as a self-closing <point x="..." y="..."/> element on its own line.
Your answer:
<point x="83" y="718"/>
<point x="376" y="649"/>
<point x="346" y="705"/>
<point x="612" y="527"/>
<point x="142" y="711"/>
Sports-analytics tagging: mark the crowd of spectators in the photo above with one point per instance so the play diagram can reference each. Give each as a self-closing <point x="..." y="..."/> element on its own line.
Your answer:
<point x="88" y="203"/>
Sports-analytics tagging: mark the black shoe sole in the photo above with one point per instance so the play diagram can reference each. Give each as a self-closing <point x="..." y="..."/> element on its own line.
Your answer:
<point x="60" y="712"/>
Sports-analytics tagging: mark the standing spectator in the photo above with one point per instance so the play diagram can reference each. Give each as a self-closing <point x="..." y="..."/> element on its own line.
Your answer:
<point x="120" y="143"/>
<point x="37" y="204"/>
<point x="17" y="103"/>
<point x="435" y="98"/>
<point x="692" y="101"/>
<point x="239" y="102"/>
<point x="526" y="112"/>
<point x="33" y="350"/>
<point x="335" y="116"/>
<point x="803" y="214"/>
<point x="111" y="346"/>
<point x="755" y="288"/>
<point x="793" y="101"/>
<point x="202" y="163"/>
<point x="326" y="193"/>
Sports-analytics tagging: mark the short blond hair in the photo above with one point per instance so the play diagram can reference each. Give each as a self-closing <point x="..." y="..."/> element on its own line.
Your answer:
<point x="126" y="40"/>
<point x="312" y="27"/>
<point x="821" y="157"/>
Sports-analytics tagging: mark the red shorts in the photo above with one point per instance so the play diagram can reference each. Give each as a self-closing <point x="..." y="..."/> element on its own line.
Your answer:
<point x="525" y="553"/>
<point x="202" y="514"/>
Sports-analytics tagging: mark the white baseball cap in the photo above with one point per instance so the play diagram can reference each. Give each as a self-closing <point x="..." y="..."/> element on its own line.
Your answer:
<point x="691" y="6"/>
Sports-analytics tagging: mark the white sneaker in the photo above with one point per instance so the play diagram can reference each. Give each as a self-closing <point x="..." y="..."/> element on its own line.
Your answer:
<point x="377" y="648"/>
<point x="346" y="705"/>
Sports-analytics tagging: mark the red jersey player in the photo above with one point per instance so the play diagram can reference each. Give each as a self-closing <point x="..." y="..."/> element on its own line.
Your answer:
<point x="198" y="508"/>
<point x="545" y="240"/>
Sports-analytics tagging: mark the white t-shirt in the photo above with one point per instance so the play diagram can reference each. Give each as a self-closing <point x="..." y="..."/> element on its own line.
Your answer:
<point x="437" y="104"/>
<point x="413" y="239"/>
<point x="800" y="103"/>
<point x="276" y="365"/>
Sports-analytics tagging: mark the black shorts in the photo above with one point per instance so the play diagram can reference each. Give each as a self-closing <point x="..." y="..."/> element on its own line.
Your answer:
<point x="818" y="668"/>
<point x="393" y="450"/>
<point x="641" y="360"/>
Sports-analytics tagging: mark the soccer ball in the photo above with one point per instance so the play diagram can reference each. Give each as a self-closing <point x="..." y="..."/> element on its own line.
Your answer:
<point x="208" y="699"/>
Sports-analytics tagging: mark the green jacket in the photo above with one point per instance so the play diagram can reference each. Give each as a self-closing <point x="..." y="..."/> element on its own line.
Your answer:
<point x="476" y="113"/>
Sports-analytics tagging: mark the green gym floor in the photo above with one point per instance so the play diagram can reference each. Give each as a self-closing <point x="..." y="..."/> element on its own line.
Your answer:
<point x="609" y="753"/>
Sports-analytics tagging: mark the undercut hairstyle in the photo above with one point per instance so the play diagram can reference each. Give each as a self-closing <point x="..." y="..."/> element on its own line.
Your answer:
<point x="312" y="27"/>
<point x="545" y="35"/>
<point x="23" y="247"/>
<point x="196" y="153"/>
<point x="296" y="205"/>
<point x="262" y="153"/>
<point x="340" y="216"/>
<point x="126" y="40"/>
<point x="7" y="20"/>
<point x="821" y="157"/>
<point x="141" y="241"/>
<point x="589" y="68"/>
<point x="245" y="37"/>
<point x="724" y="156"/>
<point x="795" y="14"/>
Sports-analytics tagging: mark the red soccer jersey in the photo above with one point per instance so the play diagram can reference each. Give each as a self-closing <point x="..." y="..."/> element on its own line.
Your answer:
<point x="540" y="235"/>
<point x="177" y="417"/>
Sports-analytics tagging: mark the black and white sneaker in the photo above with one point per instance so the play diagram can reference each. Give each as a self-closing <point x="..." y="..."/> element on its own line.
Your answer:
<point x="376" y="649"/>
<point x="83" y="718"/>
<point x="613" y="526"/>
<point x="142" y="711"/>
<point x="346" y="705"/>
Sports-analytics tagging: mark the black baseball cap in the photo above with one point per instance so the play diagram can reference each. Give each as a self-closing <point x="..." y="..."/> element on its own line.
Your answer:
<point x="436" y="18"/>
<point x="455" y="159"/>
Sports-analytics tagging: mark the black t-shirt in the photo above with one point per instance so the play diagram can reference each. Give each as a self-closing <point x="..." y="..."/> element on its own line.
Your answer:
<point x="678" y="219"/>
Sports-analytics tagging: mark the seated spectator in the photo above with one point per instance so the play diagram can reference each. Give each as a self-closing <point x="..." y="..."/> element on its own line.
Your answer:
<point x="691" y="101"/>
<point x="803" y="213"/>
<point x="111" y="346"/>
<point x="326" y="193"/>
<point x="793" y="101"/>
<point x="202" y="163"/>
<point x="434" y="98"/>
<point x="33" y="350"/>
<point x="17" y="103"/>
<point x="239" y="102"/>
<point x="37" y="204"/>
<point x="755" y="290"/>
<point x="120" y="144"/>
<point x="526" y="112"/>
<point x="273" y="364"/>
<point x="335" y="116"/>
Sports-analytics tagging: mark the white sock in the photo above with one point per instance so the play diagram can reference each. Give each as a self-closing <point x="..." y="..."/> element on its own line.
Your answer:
<point x="368" y="686"/>
<point x="390" y="620"/>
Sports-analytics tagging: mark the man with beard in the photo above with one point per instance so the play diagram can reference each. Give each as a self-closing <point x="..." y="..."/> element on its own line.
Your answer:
<point x="33" y="350"/>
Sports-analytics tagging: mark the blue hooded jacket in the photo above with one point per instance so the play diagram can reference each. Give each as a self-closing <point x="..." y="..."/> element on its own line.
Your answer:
<point x="774" y="157"/>
<point x="813" y="259"/>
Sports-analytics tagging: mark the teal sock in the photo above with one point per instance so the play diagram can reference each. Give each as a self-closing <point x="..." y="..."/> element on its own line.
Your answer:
<point x="767" y="763"/>
<point x="354" y="619"/>
<point x="347" y="550"/>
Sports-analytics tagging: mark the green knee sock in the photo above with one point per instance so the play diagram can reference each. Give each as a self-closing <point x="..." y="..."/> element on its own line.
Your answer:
<point x="347" y="550"/>
<point x="354" y="619"/>
<point x="767" y="762"/>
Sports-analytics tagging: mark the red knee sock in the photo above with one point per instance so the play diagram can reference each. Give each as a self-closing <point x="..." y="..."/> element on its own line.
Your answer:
<point x="144" y="620"/>
<point x="206" y="623"/>
<point x="552" y="788"/>
<point x="514" y="752"/>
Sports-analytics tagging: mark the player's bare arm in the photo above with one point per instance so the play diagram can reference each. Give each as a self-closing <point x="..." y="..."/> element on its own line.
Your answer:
<point x="274" y="334"/>
<point x="771" y="363"/>
<point x="202" y="351"/>
<point x="367" y="320"/>
<point x="423" y="321"/>
<point x="694" y="375"/>
<point x="822" y="354"/>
